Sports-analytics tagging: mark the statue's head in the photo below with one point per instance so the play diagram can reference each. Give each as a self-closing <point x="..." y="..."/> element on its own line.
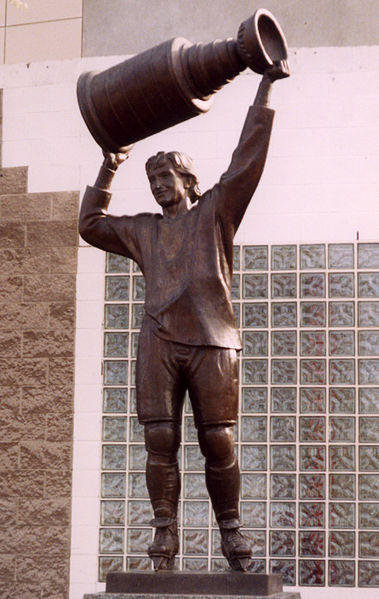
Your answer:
<point x="182" y="166"/>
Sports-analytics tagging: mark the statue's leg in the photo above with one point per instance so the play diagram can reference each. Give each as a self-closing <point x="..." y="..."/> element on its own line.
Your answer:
<point x="162" y="441"/>
<point x="223" y="484"/>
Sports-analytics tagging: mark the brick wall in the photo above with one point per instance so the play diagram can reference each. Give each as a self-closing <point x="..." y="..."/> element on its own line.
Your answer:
<point x="38" y="263"/>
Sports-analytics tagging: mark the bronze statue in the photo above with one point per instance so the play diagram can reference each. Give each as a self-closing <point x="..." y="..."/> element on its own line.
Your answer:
<point x="188" y="339"/>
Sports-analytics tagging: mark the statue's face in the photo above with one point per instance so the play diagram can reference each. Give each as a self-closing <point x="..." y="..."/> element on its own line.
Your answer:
<point x="168" y="186"/>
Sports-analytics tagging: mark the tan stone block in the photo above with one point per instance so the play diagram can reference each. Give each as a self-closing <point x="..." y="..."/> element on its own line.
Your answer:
<point x="8" y="513"/>
<point x="10" y="344"/>
<point x="7" y="567"/>
<point x="39" y="288"/>
<point x="62" y="315"/>
<point x="24" y="261"/>
<point x="11" y="424"/>
<point x="63" y="259"/>
<point x="44" y="512"/>
<point x="36" y="455"/>
<point x="33" y="427"/>
<point x="56" y="540"/>
<point x="24" y="316"/>
<point x="9" y="453"/>
<point x="66" y="205"/>
<point x="13" y="180"/>
<point x="61" y="371"/>
<point x="28" y="540"/>
<point x="21" y="483"/>
<point x="59" y="427"/>
<point x="50" y="343"/>
<point x="52" y="234"/>
<point x="12" y="235"/>
<point x="47" y="398"/>
<point x="31" y="590"/>
<point x="55" y="589"/>
<point x="25" y="207"/>
<point x="11" y="289"/>
<point x="58" y="483"/>
<point x="43" y="568"/>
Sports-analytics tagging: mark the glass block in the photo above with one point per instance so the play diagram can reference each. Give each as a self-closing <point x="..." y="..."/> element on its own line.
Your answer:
<point x="116" y="345"/>
<point x="368" y="343"/>
<point x="283" y="343"/>
<point x="312" y="285"/>
<point x="369" y="458"/>
<point x="136" y="430"/>
<point x="368" y="284"/>
<point x="109" y="564"/>
<point x="254" y="399"/>
<point x="368" y="255"/>
<point x="114" y="429"/>
<point x="190" y="433"/>
<point x="195" y="541"/>
<point x="312" y="256"/>
<point x="283" y="314"/>
<point x="138" y="312"/>
<point x="253" y="457"/>
<point x="312" y="486"/>
<point x="342" y="486"/>
<point x="313" y="372"/>
<point x="137" y="485"/>
<point x="341" y="457"/>
<point x="254" y="286"/>
<point x="138" y="563"/>
<point x="341" y="255"/>
<point x="283" y="428"/>
<point x="282" y="514"/>
<point x="312" y="343"/>
<point x="236" y="286"/>
<point x="138" y="288"/>
<point x="116" y="316"/>
<point x="368" y="372"/>
<point x="368" y="486"/>
<point x="282" y="543"/>
<point x="255" y="343"/>
<point x="312" y="515"/>
<point x="312" y="458"/>
<point x="368" y="314"/>
<point x="283" y="457"/>
<point x="341" y="343"/>
<point x="283" y="286"/>
<point x="253" y="514"/>
<point x="237" y="313"/>
<point x="236" y="257"/>
<point x="134" y="345"/>
<point x="138" y="539"/>
<point x="369" y="400"/>
<point x="139" y="513"/>
<point x="253" y="486"/>
<point x="195" y="564"/>
<point x="368" y="430"/>
<point x="113" y="457"/>
<point x="312" y="314"/>
<point x="283" y="372"/>
<point x="133" y="401"/>
<point x="257" y="541"/>
<point x="115" y="400"/>
<point x="283" y="257"/>
<point x="283" y="399"/>
<point x="255" y="315"/>
<point x="369" y="515"/>
<point x="311" y="543"/>
<point x="341" y="428"/>
<point x="368" y="544"/>
<point x="193" y="459"/>
<point x="135" y="266"/>
<point x="342" y="400"/>
<point x="115" y="372"/>
<point x="116" y="288"/>
<point x="254" y="428"/>
<point x="341" y="515"/>
<point x="368" y="573"/>
<point x="341" y="284"/>
<point x="341" y="573"/>
<point x="254" y="372"/>
<point x="113" y="484"/>
<point x="137" y="457"/>
<point x="341" y="314"/>
<point x="218" y="564"/>
<point x="312" y="572"/>
<point x="196" y="513"/>
<point x="116" y="263"/>
<point x="255" y="257"/>
<point x="312" y="428"/>
<point x="312" y="399"/>
<point x="112" y="513"/>
<point x="283" y="486"/>
<point x="342" y="372"/>
<point x="194" y="486"/>
<point x="286" y="568"/>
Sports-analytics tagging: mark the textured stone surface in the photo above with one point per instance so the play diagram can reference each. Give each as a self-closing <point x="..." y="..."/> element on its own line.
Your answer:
<point x="13" y="180"/>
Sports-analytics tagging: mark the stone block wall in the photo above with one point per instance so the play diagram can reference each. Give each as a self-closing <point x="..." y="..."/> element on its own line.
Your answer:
<point x="38" y="263"/>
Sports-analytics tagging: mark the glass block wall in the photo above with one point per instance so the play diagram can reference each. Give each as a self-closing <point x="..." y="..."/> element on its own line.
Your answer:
<point x="308" y="428"/>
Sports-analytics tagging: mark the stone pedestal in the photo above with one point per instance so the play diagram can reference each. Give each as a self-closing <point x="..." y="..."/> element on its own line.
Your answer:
<point x="193" y="585"/>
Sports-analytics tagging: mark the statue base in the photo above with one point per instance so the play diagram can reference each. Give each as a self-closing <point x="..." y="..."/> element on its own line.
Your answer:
<point x="175" y="584"/>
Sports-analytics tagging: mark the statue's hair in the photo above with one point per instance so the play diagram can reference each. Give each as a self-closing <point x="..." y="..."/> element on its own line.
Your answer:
<point x="182" y="163"/>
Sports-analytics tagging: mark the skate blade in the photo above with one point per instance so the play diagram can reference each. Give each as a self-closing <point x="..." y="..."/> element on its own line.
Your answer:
<point x="242" y="564"/>
<point x="162" y="563"/>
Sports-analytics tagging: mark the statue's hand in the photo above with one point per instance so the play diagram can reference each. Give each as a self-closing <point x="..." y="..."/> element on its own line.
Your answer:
<point x="113" y="161"/>
<point x="279" y="70"/>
